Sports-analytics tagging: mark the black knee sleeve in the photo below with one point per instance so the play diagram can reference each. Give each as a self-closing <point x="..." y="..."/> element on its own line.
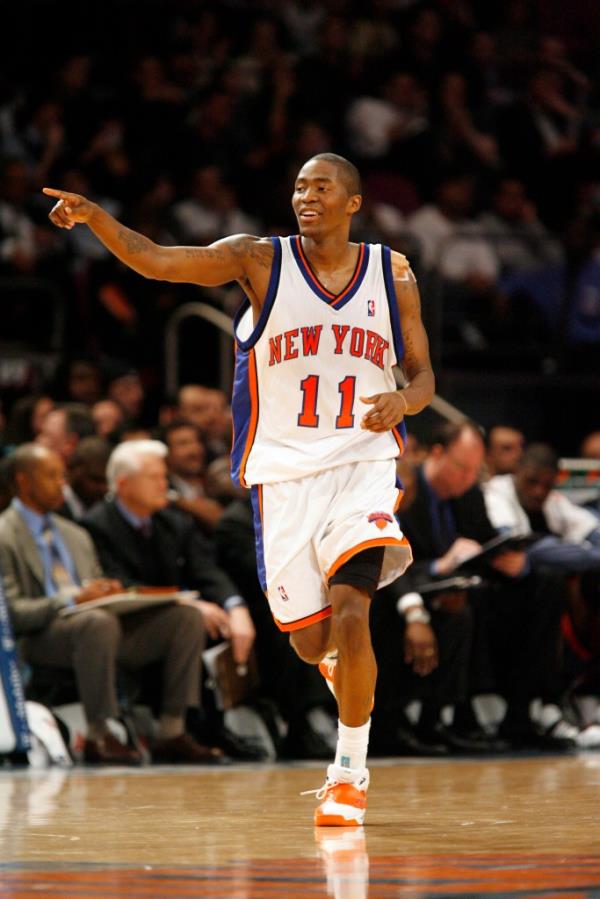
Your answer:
<point x="361" y="571"/>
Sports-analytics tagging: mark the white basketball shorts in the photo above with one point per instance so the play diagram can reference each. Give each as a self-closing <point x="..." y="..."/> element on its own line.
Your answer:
<point x="309" y="527"/>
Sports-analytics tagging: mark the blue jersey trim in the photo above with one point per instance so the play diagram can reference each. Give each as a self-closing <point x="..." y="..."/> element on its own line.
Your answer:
<point x="267" y="305"/>
<point x="258" y="538"/>
<point x="241" y="409"/>
<point x="390" y="290"/>
<point x="331" y="299"/>
<point x="388" y="277"/>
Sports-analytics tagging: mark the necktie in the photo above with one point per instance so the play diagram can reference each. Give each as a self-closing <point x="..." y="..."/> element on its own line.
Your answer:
<point x="60" y="575"/>
<point x="446" y="526"/>
<point x="146" y="528"/>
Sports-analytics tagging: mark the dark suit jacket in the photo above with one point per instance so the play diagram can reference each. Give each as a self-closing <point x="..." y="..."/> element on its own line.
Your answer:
<point x="469" y="515"/>
<point x="175" y="555"/>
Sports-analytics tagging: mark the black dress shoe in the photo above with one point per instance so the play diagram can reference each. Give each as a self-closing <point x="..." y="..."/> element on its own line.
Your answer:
<point x="305" y="743"/>
<point x="242" y="749"/>
<point x="455" y="742"/>
<point x="187" y="751"/>
<point x="404" y="741"/>
<point x="492" y="742"/>
<point x="528" y="736"/>
<point x="109" y="751"/>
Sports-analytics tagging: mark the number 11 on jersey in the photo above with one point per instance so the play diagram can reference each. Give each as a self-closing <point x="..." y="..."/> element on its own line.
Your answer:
<point x="308" y="417"/>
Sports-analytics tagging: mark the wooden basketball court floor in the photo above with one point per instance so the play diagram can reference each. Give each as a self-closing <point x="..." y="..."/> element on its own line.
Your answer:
<point x="502" y="827"/>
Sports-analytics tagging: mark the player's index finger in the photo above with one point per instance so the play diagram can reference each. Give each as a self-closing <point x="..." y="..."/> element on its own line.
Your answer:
<point x="52" y="192"/>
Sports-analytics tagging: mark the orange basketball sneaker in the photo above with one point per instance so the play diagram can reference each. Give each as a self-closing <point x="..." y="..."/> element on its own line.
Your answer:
<point x="327" y="668"/>
<point x="342" y="804"/>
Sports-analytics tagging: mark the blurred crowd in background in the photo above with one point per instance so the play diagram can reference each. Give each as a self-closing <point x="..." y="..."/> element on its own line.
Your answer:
<point x="476" y="128"/>
<point x="475" y="125"/>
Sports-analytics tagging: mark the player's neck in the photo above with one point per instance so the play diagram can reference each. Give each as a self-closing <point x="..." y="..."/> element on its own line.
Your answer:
<point x="328" y="252"/>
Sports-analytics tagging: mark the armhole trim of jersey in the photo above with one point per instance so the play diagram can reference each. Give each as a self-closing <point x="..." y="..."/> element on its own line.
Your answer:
<point x="388" y="278"/>
<point x="272" y="289"/>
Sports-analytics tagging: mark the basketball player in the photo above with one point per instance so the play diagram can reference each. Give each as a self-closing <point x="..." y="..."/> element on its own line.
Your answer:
<point x="318" y="423"/>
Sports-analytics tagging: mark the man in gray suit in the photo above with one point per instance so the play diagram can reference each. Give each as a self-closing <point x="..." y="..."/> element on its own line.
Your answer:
<point x="48" y="563"/>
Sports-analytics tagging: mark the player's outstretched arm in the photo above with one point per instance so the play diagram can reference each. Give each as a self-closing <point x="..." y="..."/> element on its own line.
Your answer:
<point x="223" y="261"/>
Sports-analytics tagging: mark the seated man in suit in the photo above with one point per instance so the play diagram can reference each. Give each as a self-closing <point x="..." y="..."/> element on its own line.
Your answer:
<point x="516" y="618"/>
<point x="48" y="563"/>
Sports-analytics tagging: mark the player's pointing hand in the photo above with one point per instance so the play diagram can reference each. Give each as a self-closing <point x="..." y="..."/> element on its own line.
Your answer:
<point x="70" y="210"/>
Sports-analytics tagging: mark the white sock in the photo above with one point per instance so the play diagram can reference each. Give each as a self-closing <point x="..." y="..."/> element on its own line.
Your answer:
<point x="352" y="745"/>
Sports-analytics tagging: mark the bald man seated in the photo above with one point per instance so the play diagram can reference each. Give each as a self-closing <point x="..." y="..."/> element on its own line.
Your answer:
<point x="48" y="563"/>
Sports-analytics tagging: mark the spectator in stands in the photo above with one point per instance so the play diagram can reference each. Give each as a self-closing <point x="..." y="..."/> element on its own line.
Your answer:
<point x="590" y="446"/>
<point x="79" y="381"/>
<point x="26" y="419"/>
<point x="209" y="210"/>
<point x="392" y="130"/>
<point x="49" y="564"/>
<point x="86" y="477"/>
<point x="521" y="241"/>
<point x="516" y="618"/>
<point x="504" y="447"/>
<point x="18" y="249"/>
<point x="64" y="427"/>
<point x="126" y="389"/>
<point x="526" y="502"/>
<point x="452" y="243"/>
<point x="450" y="240"/>
<point x="551" y="129"/>
<point x="186" y="462"/>
<point x="208" y="409"/>
<point x="460" y="136"/>
<point x="108" y="417"/>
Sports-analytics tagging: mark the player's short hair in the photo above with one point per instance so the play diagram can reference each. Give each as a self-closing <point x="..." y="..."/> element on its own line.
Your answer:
<point x="127" y="458"/>
<point x="348" y="173"/>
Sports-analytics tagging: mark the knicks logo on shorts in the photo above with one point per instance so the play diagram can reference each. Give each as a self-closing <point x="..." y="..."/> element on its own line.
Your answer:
<point x="381" y="519"/>
<point x="282" y="593"/>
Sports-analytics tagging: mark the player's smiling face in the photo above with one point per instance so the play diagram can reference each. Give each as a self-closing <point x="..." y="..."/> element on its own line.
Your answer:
<point x="320" y="199"/>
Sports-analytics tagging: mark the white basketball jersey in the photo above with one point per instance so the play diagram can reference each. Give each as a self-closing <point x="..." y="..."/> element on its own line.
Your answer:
<point x="300" y="372"/>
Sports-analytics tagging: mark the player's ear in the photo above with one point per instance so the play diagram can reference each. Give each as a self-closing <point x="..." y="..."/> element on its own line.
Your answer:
<point x="354" y="203"/>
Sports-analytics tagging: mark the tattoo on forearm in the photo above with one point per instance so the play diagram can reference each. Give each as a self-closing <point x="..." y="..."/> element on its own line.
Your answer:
<point x="134" y="243"/>
<point x="409" y="348"/>
<point x="204" y="253"/>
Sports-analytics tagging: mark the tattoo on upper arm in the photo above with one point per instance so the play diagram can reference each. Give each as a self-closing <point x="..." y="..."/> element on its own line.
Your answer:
<point x="250" y="248"/>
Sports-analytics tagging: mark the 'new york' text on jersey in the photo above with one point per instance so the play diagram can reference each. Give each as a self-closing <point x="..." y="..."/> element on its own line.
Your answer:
<point x="300" y="371"/>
